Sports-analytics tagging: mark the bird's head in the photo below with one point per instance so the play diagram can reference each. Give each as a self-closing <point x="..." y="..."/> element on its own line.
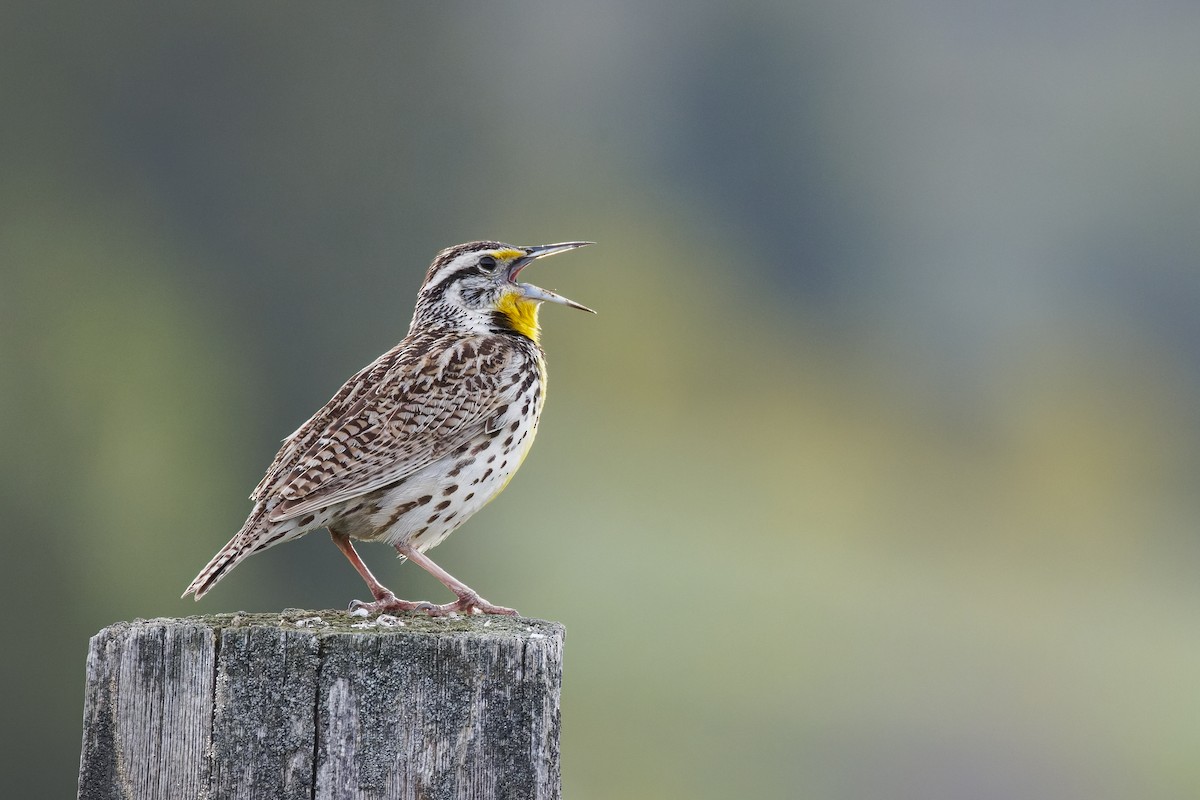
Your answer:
<point x="474" y="286"/>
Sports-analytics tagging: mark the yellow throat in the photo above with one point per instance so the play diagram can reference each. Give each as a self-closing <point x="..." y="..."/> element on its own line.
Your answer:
<point x="522" y="314"/>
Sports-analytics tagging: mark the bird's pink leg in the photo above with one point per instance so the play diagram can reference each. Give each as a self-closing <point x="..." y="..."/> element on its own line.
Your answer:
<point x="384" y="599"/>
<point x="469" y="601"/>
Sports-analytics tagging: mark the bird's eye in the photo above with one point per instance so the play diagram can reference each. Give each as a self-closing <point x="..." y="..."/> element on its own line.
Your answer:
<point x="488" y="263"/>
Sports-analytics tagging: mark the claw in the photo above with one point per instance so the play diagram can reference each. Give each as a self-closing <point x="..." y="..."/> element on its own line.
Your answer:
<point x="472" y="603"/>
<point x="391" y="604"/>
<point x="467" y="604"/>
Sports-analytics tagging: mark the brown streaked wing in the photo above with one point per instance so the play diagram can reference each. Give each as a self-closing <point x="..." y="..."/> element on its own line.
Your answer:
<point x="301" y="440"/>
<point x="420" y="411"/>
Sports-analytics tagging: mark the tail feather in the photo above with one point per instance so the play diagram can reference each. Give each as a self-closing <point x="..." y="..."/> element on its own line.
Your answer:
<point x="230" y="556"/>
<point x="257" y="534"/>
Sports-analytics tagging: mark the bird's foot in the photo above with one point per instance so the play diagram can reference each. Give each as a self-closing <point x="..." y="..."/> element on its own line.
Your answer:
<point x="471" y="603"/>
<point x="388" y="604"/>
<point x="467" y="604"/>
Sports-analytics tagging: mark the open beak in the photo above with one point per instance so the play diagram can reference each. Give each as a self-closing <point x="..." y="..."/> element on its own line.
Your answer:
<point x="533" y="254"/>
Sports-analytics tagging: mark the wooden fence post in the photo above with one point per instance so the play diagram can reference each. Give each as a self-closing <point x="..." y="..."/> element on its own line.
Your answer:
<point x="322" y="705"/>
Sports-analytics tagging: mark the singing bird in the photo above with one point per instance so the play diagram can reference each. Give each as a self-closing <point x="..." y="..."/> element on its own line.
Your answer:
<point x="421" y="438"/>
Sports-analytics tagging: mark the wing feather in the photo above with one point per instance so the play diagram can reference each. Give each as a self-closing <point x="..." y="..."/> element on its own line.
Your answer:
<point x="425" y="403"/>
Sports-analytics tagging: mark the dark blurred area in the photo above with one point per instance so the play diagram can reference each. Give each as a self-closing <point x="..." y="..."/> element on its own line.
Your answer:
<point x="875" y="477"/>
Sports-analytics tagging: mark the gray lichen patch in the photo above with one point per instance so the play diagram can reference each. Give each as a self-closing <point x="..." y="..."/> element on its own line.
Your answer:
<point x="327" y="621"/>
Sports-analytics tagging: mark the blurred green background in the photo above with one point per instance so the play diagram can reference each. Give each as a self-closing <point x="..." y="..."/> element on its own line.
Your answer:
<point x="875" y="477"/>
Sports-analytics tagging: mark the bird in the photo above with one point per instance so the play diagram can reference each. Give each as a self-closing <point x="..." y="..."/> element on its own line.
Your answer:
<point x="421" y="438"/>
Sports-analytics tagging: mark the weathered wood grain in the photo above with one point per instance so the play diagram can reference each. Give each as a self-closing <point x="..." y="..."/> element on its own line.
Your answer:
<point x="322" y="705"/>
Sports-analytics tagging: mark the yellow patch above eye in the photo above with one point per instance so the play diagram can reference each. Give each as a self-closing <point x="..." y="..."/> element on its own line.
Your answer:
<point x="507" y="255"/>
<point x="522" y="314"/>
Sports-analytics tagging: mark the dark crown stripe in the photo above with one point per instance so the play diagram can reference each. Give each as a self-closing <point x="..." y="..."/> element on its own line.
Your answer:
<point x="450" y="253"/>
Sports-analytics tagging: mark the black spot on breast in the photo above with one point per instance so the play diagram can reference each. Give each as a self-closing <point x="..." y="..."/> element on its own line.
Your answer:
<point x="515" y="426"/>
<point x="451" y="489"/>
<point x="400" y="511"/>
<point x="423" y="499"/>
<point x="442" y="506"/>
<point x="307" y="519"/>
